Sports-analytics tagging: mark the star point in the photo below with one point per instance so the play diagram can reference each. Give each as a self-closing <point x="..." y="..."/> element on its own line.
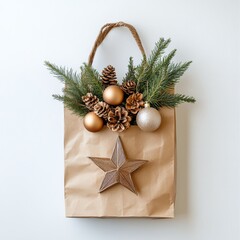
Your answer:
<point x="117" y="168"/>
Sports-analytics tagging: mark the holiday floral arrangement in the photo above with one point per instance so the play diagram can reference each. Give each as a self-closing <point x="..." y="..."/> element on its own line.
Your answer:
<point x="102" y="100"/>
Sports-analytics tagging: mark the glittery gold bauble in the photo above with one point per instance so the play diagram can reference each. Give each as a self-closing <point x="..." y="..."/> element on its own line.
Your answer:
<point x="92" y="122"/>
<point x="113" y="95"/>
<point x="148" y="119"/>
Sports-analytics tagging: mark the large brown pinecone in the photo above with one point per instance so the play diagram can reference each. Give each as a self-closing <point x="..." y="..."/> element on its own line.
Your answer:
<point x="134" y="103"/>
<point x="101" y="109"/>
<point x="90" y="100"/>
<point x="109" y="76"/>
<point x="129" y="87"/>
<point x="118" y="119"/>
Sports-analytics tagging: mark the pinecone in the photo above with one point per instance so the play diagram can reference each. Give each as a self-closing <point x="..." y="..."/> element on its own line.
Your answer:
<point x="129" y="87"/>
<point x="109" y="76"/>
<point x="134" y="103"/>
<point x="118" y="119"/>
<point x="90" y="100"/>
<point x="101" y="109"/>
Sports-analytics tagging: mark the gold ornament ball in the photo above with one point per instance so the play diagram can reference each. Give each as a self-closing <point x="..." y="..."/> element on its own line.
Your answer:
<point x="92" y="122"/>
<point x="148" y="119"/>
<point x="113" y="95"/>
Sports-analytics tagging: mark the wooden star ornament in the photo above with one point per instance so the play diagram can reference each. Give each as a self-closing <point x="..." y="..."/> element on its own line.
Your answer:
<point x="117" y="168"/>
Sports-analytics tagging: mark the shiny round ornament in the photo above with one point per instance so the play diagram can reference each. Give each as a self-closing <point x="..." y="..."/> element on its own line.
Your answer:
<point x="92" y="122"/>
<point x="148" y="119"/>
<point x="113" y="95"/>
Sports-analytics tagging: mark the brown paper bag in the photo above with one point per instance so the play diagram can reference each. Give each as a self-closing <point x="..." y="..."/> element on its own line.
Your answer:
<point x="154" y="181"/>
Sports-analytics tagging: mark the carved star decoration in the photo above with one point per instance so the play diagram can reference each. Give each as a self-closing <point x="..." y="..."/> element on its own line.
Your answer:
<point x="117" y="168"/>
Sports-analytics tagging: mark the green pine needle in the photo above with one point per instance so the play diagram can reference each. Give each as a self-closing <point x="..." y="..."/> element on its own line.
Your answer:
<point x="131" y="74"/>
<point x="91" y="79"/>
<point x="76" y="86"/>
<point x="173" y="74"/>
<point x="170" y="100"/>
<point x="158" y="50"/>
<point x="153" y="64"/>
<point x="72" y="104"/>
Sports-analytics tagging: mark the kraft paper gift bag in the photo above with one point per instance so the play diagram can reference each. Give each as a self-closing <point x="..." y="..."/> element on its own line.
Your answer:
<point x="118" y="163"/>
<point x="154" y="181"/>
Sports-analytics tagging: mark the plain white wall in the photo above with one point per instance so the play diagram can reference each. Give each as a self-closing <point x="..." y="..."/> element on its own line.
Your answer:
<point x="31" y="129"/>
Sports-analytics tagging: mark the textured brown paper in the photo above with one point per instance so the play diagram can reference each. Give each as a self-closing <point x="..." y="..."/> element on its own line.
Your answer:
<point x="154" y="181"/>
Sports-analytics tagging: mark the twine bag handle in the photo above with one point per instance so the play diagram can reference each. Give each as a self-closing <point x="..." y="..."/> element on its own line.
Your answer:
<point x="104" y="32"/>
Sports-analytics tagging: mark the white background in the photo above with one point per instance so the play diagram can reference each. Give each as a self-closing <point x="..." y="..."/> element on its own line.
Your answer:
<point x="31" y="122"/>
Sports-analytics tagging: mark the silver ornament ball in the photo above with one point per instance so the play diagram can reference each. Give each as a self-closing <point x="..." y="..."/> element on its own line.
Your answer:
<point x="148" y="119"/>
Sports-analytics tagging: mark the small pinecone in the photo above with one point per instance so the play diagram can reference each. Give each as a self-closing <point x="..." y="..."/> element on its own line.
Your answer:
<point x="118" y="119"/>
<point x="109" y="76"/>
<point x="129" y="87"/>
<point x="134" y="103"/>
<point x="101" y="109"/>
<point x="90" y="100"/>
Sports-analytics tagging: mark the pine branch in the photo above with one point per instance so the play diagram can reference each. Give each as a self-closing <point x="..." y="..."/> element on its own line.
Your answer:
<point x="167" y="59"/>
<point x="66" y="76"/>
<point x="159" y="74"/>
<point x="158" y="50"/>
<point x="76" y="86"/>
<point x="173" y="75"/>
<point x="91" y="80"/>
<point x="170" y="100"/>
<point x="140" y="69"/>
<point x="152" y="65"/>
<point x="130" y="75"/>
<point x="63" y="74"/>
<point x="76" y="107"/>
<point x="163" y="64"/>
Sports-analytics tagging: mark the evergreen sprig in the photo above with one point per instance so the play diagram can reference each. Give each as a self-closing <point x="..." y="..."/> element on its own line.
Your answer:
<point x="76" y="86"/>
<point x="131" y="74"/>
<point x="90" y="79"/>
<point x="148" y="68"/>
<point x="169" y="100"/>
<point x="77" y="107"/>
<point x="157" y="77"/>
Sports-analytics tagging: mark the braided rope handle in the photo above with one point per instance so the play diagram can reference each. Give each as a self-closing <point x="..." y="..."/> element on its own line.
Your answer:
<point x="104" y="32"/>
